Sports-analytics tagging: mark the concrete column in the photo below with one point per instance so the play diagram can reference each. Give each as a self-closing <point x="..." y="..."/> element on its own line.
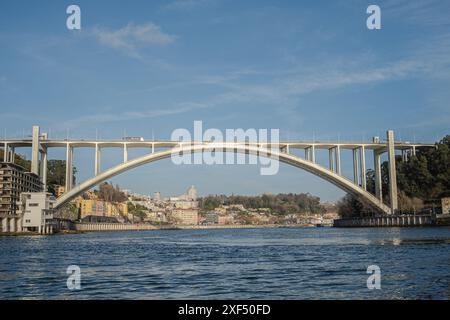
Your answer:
<point x="153" y="148"/>
<point x="307" y="154"/>
<point x="98" y="155"/>
<point x="362" y="163"/>
<point x="44" y="170"/>
<point x="5" y="226"/>
<point x="378" y="182"/>
<point x="337" y="154"/>
<point x="330" y="159"/>
<point x="392" y="172"/>
<point x="12" y="154"/>
<point x="413" y="150"/>
<point x="19" y="225"/>
<point x="5" y="152"/>
<point x="125" y="152"/>
<point x="287" y="149"/>
<point x="69" y="170"/>
<point x="355" y="166"/>
<point x="12" y="225"/>
<point x="35" y="151"/>
<point x="313" y="153"/>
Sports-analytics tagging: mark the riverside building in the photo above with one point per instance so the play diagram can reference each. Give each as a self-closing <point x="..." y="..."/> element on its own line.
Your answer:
<point x="14" y="180"/>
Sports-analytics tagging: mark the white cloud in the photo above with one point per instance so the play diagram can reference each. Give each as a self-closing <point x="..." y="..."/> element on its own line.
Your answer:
<point x="131" y="37"/>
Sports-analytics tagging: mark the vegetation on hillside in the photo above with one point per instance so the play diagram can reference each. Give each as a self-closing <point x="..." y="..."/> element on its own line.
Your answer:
<point x="278" y="204"/>
<point x="108" y="192"/>
<point x="137" y="210"/>
<point x="56" y="170"/>
<point x="422" y="181"/>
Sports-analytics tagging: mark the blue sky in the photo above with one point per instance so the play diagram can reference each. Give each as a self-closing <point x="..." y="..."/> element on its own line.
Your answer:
<point x="145" y="68"/>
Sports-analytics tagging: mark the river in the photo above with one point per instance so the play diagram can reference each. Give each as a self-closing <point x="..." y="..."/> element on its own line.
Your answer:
<point x="279" y="263"/>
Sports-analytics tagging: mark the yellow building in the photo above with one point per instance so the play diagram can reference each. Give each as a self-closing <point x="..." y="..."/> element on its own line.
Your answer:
<point x="91" y="195"/>
<point x="115" y="209"/>
<point x="123" y="208"/>
<point x="101" y="208"/>
<point x="185" y="216"/>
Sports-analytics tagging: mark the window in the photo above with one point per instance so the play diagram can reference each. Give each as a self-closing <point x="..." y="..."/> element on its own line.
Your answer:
<point x="33" y="204"/>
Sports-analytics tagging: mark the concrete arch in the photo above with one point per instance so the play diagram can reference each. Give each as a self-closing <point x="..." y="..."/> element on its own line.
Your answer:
<point x="328" y="175"/>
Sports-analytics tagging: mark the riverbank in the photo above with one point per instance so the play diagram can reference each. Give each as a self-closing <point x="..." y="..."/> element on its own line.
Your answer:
<point x="83" y="227"/>
<point x="410" y="220"/>
<point x="95" y="227"/>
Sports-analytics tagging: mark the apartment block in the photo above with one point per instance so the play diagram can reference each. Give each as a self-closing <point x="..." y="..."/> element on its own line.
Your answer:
<point x="14" y="180"/>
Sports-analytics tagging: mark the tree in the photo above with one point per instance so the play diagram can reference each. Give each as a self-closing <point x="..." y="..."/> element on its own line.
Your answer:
<point x="56" y="174"/>
<point x="281" y="204"/>
<point x="422" y="179"/>
<point x="56" y="170"/>
<point x="108" y="192"/>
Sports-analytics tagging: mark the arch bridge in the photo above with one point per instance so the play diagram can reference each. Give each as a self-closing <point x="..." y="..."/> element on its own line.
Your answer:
<point x="282" y="151"/>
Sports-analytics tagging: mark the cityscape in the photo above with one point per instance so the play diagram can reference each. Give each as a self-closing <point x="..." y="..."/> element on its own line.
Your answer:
<point x="224" y="159"/>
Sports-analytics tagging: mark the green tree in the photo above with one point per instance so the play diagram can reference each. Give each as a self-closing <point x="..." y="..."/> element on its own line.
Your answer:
<point x="422" y="180"/>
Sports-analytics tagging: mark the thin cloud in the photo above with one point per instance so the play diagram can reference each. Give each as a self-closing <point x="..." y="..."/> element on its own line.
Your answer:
<point x="183" y="5"/>
<point x="132" y="37"/>
<point x="126" y="116"/>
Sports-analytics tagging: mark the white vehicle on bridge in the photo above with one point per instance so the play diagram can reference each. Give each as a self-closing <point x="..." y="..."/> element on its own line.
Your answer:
<point x="133" y="138"/>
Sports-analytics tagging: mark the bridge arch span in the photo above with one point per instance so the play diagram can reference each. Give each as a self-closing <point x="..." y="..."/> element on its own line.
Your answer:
<point x="328" y="175"/>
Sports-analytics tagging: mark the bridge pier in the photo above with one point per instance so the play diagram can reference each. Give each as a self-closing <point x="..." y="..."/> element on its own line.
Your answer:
<point x="44" y="169"/>
<point x="69" y="168"/>
<point x="337" y="159"/>
<point x="362" y="163"/>
<point x="392" y="172"/>
<point x="378" y="182"/>
<point x="35" y="146"/>
<point x="331" y="159"/>
<point x="355" y="166"/>
<point x="98" y="153"/>
<point x="5" y="152"/>
<point x="310" y="153"/>
<point x="125" y="153"/>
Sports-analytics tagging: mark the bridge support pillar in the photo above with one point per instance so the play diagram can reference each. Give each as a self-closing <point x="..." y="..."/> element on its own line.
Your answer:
<point x="337" y="154"/>
<point x="355" y="166"/>
<point x="362" y="163"/>
<point x="310" y="153"/>
<point x="44" y="170"/>
<point x="98" y="153"/>
<point x="378" y="182"/>
<point x="35" y="151"/>
<point x="392" y="172"/>
<point x="12" y="154"/>
<point x="5" y="152"/>
<point x="125" y="153"/>
<point x="69" y="169"/>
<point x="331" y="158"/>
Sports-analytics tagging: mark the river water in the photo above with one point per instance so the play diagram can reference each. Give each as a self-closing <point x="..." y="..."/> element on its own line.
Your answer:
<point x="283" y="263"/>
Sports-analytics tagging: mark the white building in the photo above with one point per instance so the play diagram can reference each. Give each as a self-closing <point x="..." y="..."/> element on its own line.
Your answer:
<point x="37" y="211"/>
